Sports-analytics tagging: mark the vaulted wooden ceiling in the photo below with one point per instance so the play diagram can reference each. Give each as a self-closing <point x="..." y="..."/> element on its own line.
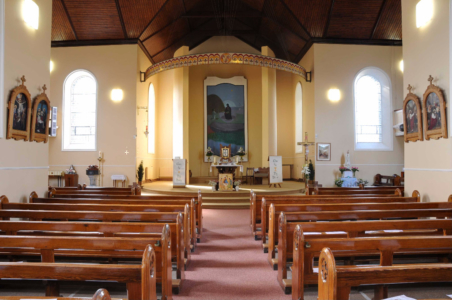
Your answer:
<point x="288" y="27"/>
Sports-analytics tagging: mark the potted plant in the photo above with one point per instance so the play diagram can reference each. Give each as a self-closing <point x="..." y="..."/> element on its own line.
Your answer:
<point x="362" y="182"/>
<point x="339" y="182"/>
<point x="140" y="174"/>
<point x="213" y="184"/>
<point x="311" y="171"/>
<point x="354" y="170"/>
<point x="237" y="184"/>
<point x="209" y="153"/>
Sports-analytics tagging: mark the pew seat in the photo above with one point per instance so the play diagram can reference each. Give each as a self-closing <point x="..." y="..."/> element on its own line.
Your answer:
<point x="101" y="294"/>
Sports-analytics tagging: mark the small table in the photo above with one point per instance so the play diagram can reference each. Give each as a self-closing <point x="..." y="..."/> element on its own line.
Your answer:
<point x="121" y="178"/>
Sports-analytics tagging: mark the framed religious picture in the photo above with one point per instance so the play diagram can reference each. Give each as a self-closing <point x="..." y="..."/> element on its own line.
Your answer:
<point x="225" y="151"/>
<point x="40" y="115"/>
<point x="19" y="113"/>
<point x="226" y="182"/>
<point x="225" y="115"/>
<point x="323" y="151"/>
<point x="412" y="120"/>
<point x="434" y="113"/>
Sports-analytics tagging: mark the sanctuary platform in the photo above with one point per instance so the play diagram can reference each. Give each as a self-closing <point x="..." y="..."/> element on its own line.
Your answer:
<point x="222" y="199"/>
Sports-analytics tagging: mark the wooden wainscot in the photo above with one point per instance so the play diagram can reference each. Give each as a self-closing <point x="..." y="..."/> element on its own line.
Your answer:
<point x="40" y="118"/>
<point x="412" y="120"/>
<point x="434" y="115"/>
<point x="19" y="112"/>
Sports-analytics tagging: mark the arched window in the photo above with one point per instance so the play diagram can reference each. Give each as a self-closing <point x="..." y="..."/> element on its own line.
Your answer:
<point x="373" y="117"/>
<point x="151" y="120"/>
<point x="298" y="118"/>
<point x="79" y="111"/>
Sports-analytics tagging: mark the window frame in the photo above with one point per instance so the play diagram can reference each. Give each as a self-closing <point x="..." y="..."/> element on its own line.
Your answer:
<point x="151" y="128"/>
<point x="64" y="112"/>
<point x="387" y="143"/>
<point x="298" y="148"/>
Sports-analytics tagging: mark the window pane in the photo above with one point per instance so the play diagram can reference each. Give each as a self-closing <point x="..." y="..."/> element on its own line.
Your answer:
<point x="80" y="111"/>
<point x="368" y="110"/>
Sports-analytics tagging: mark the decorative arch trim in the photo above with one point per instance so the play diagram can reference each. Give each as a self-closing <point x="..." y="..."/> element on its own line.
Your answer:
<point x="225" y="58"/>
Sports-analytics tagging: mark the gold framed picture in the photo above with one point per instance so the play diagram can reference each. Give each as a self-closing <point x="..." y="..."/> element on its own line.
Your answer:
<point x="412" y="120"/>
<point x="19" y="113"/>
<point x="226" y="182"/>
<point x="40" y="118"/>
<point x="225" y="151"/>
<point x="434" y="114"/>
<point x="323" y="151"/>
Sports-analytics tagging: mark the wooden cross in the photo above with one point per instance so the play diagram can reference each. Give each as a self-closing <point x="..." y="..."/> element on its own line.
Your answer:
<point x="44" y="88"/>
<point x="430" y="78"/>
<point x="410" y="88"/>
<point x="23" y="79"/>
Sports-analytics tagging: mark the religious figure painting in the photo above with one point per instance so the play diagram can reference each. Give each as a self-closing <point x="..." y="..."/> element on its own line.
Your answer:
<point x="225" y="114"/>
<point x="323" y="151"/>
<point x="412" y="117"/>
<point x="434" y="112"/>
<point x="40" y="118"/>
<point x="19" y="113"/>
<point x="226" y="182"/>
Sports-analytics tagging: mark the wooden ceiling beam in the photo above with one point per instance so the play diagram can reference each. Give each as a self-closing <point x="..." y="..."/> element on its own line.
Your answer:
<point x="185" y="12"/>
<point x="69" y="19"/>
<point x="149" y="56"/>
<point x="161" y="29"/>
<point x="378" y="18"/>
<point x="357" y="41"/>
<point x="182" y="38"/>
<point x="118" y="8"/>
<point x="293" y="15"/>
<point x="208" y="14"/>
<point x="260" y="21"/>
<point x="153" y="18"/>
<point x="327" y="26"/>
<point x="303" y="51"/>
<point x="56" y="44"/>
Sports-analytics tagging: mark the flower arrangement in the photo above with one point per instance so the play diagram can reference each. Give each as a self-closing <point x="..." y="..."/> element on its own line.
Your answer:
<point x="209" y="153"/>
<point x="343" y="169"/>
<point x="354" y="170"/>
<point x="237" y="182"/>
<point x="363" y="182"/>
<point x="241" y="153"/>
<point x="213" y="182"/>
<point x="338" y="182"/>
<point x="305" y="171"/>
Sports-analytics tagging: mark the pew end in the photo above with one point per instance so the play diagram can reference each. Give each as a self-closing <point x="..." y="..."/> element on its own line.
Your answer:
<point x="101" y="294"/>
<point x="327" y="282"/>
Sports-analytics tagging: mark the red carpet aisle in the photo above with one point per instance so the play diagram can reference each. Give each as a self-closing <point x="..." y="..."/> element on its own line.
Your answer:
<point x="229" y="263"/>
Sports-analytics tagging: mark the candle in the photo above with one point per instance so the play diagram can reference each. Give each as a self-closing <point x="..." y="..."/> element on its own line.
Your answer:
<point x="100" y="154"/>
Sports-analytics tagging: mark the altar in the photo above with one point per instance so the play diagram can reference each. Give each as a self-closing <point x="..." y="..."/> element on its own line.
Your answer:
<point x="226" y="168"/>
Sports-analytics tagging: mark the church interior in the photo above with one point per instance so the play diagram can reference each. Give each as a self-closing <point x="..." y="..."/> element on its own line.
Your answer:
<point x="225" y="149"/>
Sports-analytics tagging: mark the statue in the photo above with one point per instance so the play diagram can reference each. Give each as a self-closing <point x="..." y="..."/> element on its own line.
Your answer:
<point x="348" y="163"/>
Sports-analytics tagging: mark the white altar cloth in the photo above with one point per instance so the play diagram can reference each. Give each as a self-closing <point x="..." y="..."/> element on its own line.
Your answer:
<point x="118" y="177"/>
<point x="228" y="166"/>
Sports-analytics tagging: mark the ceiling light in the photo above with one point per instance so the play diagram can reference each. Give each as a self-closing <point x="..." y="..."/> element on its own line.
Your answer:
<point x="51" y="66"/>
<point x="424" y="12"/>
<point x="334" y="95"/>
<point x="30" y="13"/>
<point x="117" y="95"/>
<point x="401" y="65"/>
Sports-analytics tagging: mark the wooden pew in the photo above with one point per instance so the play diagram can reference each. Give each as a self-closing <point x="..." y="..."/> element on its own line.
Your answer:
<point x="256" y="203"/>
<point x="140" y="279"/>
<point x="383" y="240"/>
<point x="101" y="294"/>
<point x="265" y="208"/>
<point x="104" y="216"/>
<point x="313" y="190"/>
<point x="95" y="248"/>
<point x="334" y="283"/>
<point x="4" y="204"/>
<point x="275" y="210"/>
<point x="127" y="191"/>
<point x="104" y="229"/>
<point x="289" y="221"/>
<point x="94" y="198"/>
<point x="355" y="191"/>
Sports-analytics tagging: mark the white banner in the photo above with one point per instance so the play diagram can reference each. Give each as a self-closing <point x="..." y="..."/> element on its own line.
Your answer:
<point x="179" y="172"/>
<point x="275" y="175"/>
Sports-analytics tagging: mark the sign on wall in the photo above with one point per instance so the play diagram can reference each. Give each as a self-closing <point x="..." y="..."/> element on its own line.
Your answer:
<point x="275" y="174"/>
<point x="179" y="172"/>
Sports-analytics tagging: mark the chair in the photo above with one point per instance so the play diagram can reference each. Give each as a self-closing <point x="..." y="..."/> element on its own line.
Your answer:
<point x="249" y="174"/>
